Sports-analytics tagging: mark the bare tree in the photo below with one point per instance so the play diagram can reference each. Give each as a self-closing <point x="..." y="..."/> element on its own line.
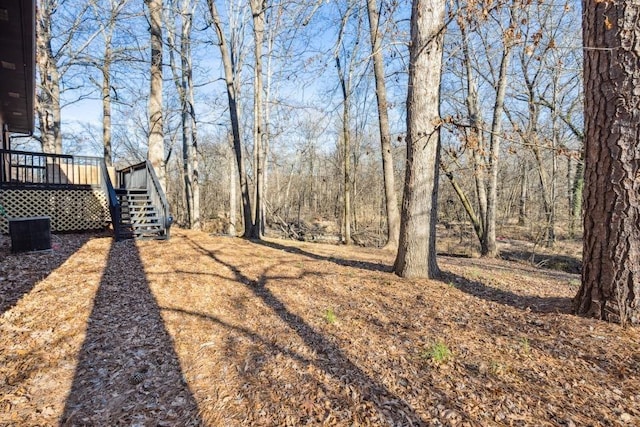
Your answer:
<point x="391" y="200"/>
<point x="106" y="23"/>
<point x="417" y="250"/>
<point x="258" y="8"/>
<point x="183" y="80"/>
<point x="483" y="143"/>
<point x="231" y="77"/>
<point x="52" y="64"/>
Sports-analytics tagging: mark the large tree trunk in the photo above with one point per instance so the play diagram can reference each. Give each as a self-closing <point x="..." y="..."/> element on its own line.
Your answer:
<point x="417" y="247"/>
<point x="156" y="134"/>
<point x="611" y="256"/>
<point x="391" y="200"/>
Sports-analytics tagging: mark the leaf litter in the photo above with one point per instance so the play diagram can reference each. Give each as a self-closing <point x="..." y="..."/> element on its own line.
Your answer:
<point x="206" y="330"/>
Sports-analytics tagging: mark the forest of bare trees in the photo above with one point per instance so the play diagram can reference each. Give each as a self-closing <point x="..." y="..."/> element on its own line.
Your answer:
<point x="308" y="99"/>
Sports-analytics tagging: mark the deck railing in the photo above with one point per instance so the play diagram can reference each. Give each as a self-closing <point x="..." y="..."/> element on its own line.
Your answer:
<point x="24" y="168"/>
<point x="142" y="175"/>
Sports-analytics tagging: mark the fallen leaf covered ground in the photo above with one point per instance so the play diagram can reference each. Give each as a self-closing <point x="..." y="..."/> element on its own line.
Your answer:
<point x="205" y="330"/>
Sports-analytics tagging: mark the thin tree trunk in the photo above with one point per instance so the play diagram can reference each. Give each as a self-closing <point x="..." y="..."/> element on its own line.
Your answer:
<point x="417" y="246"/>
<point x="391" y="199"/>
<point x="524" y="189"/>
<point x="233" y="208"/>
<point x="551" y="221"/>
<point x="257" y="9"/>
<point x="193" y="148"/>
<point x="106" y="103"/>
<point x="611" y="256"/>
<point x="234" y="113"/>
<point x="476" y="137"/>
<point x="488" y="245"/>
<point x="468" y="207"/>
<point x="180" y="82"/>
<point x="346" y="157"/>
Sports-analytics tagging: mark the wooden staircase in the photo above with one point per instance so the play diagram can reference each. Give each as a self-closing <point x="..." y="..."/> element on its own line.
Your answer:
<point x="138" y="206"/>
<point x="139" y="218"/>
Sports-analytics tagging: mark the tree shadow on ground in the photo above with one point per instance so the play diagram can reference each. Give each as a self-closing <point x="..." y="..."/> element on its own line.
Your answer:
<point x="536" y="304"/>
<point x="16" y="281"/>
<point x="363" y="265"/>
<point x="128" y="372"/>
<point x="330" y="358"/>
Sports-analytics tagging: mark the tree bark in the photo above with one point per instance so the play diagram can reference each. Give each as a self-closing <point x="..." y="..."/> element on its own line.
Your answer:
<point x="475" y="139"/>
<point x="346" y="156"/>
<point x="106" y="102"/>
<point x="466" y="204"/>
<point x="257" y="10"/>
<point x="232" y="190"/>
<point x="576" y="195"/>
<point x="417" y="246"/>
<point x="193" y="154"/>
<point x="524" y="188"/>
<point x="488" y="246"/>
<point x="156" y="134"/>
<point x="611" y="256"/>
<point x="234" y="113"/>
<point x="48" y="97"/>
<point x="391" y="199"/>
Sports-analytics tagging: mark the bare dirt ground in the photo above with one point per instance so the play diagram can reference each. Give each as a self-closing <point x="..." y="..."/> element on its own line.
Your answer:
<point x="203" y="330"/>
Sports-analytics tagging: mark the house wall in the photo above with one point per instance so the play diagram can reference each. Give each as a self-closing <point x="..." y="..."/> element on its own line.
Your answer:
<point x="69" y="210"/>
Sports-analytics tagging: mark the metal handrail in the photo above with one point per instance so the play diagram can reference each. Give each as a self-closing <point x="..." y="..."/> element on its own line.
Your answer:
<point x="114" y="204"/>
<point x="26" y="168"/>
<point x="166" y="219"/>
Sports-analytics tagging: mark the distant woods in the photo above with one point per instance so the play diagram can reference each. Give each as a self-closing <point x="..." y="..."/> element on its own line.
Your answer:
<point x="290" y="118"/>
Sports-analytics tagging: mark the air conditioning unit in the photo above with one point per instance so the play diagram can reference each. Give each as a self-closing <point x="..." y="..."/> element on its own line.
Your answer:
<point x="30" y="234"/>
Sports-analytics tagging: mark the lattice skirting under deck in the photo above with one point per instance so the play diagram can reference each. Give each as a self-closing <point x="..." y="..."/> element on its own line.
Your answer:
<point x="70" y="210"/>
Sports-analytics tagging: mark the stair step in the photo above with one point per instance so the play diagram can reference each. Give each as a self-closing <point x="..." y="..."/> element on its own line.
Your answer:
<point x="138" y="203"/>
<point x="139" y="226"/>
<point x="140" y="208"/>
<point x="136" y="196"/>
<point x="130" y="190"/>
